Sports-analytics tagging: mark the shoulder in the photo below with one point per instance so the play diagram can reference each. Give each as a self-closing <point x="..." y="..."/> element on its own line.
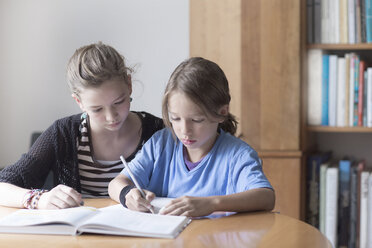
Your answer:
<point x="235" y="147"/>
<point x="67" y="124"/>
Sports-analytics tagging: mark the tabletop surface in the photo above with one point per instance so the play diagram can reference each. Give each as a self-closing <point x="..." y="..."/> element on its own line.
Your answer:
<point x="256" y="229"/>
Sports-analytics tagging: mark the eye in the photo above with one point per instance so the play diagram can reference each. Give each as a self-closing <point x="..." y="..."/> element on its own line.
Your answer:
<point x="174" y="118"/>
<point x="197" y="120"/>
<point x="96" y="110"/>
<point x="119" y="102"/>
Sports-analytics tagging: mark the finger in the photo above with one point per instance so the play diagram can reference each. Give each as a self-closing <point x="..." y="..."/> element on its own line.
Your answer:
<point x="70" y="196"/>
<point x="149" y="195"/>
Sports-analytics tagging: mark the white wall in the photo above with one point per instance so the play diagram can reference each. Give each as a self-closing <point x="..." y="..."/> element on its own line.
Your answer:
<point x="38" y="37"/>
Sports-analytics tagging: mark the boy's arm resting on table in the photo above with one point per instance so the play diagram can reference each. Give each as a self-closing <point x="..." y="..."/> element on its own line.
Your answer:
<point x="133" y="198"/>
<point x="60" y="196"/>
<point x="250" y="200"/>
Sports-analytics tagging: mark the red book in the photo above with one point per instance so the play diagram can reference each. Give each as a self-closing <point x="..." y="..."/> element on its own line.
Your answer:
<point x="362" y="66"/>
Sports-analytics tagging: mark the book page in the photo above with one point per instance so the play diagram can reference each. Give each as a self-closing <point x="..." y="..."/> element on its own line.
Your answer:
<point x="119" y="220"/>
<point x="28" y="217"/>
<point x="160" y="202"/>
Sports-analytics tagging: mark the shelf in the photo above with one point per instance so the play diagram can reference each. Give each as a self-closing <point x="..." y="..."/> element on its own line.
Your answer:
<point x="360" y="46"/>
<point x="328" y="129"/>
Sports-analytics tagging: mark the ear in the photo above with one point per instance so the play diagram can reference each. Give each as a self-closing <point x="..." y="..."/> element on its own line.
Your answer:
<point x="77" y="100"/>
<point x="224" y="111"/>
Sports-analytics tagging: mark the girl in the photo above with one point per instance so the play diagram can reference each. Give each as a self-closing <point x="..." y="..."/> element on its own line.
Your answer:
<point x="82" y="150"/>
<point x="196" y="160"/>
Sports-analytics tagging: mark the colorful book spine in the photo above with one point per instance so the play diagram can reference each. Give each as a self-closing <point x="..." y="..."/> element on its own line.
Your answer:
<point x="325" y="89"/>
<point x="344" y="202"/>
<point x="368" y="18"/>
<point x="356" y="92"/>
<point x="361" y="92"/>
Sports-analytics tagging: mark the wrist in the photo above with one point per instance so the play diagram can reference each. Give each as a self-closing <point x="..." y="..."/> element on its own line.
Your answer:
<point x="123" y="194"/>
<point x="32" y="197"/>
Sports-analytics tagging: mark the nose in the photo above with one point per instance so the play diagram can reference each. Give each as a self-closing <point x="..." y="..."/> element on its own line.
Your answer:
<point x="111" y="115"/>
<point x="186" y="127"/>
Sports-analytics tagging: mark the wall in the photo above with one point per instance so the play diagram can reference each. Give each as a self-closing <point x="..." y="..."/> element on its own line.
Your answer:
<point x="38" y="37"/>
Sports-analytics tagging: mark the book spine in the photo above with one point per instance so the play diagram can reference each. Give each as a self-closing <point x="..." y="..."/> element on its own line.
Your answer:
<point x="368" y="17"/>
<point x="363" y="20"/>
<point x="344" y="203"/>
<point x="322" y="197"/>
<point x="325" y="86"/>
<point x="353" y="205"/>
<point x="365" y="91"/>
<point x="347" y="89"/>
<point x="325" y="21"/>
<point x="369" y="212"/>
<point x="351" y="21"/>
<point x="358" y="22"/>
<point x="360" y="93"/>
<point x="363" y="209"/>
<point x="314" y="86"/>
<point x="340" y="121"/>
<point x="351" y="90"/>
<point x="369" y="97"/>
<point x="310" y="21"/>
<point x="332" y="108"/>
<point x="343" y="21"/>
<point x="317" y="21"/>
<point x="356" y="92"/>
<point x="331" y="205"/>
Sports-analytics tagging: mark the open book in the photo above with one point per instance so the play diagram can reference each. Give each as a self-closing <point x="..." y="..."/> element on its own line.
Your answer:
<point x="112" y="220"/>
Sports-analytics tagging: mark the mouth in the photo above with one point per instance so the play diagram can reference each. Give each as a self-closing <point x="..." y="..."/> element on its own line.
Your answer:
<point x="188" y="141"/>
<point x="115" y="124"/>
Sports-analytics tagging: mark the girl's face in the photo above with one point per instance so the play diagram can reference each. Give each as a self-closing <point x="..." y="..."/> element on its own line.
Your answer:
<point x="192" y="127"/>
<point x="107" y="105"/>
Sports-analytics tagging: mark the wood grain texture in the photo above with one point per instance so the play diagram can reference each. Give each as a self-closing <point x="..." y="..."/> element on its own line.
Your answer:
<point x="257" y="44"/>
<point x="256" y="229"/>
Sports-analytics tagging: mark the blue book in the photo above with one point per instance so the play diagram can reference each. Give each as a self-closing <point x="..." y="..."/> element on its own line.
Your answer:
<point x="356" y="91"/>
<point x="344" y="202"/>
<point x="368" y="20"/>
<point x="325" y="88"/>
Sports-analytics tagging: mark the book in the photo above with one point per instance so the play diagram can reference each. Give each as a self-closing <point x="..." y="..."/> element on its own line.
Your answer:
<point x="368" y="20"/>
<point x="325" y="89"/>
<point x="362" y="66"/>
<point x="343" y="21"/>
<point x="361" y="167"/>
<point x="331" y="205"/>
<point x="369" y="212"/>
<point x="369" y="97"/>
<point x="322" y="196"/>
<point x="310" y="21"/>
<point x="344" y="202"/>
<point x="314" y="162"/>
<point x="351" y="89"/>
<point x="363" y="209"/>
<point x="332" y="94"/>
<point x="353" y="204"/>
<point x="112" y="220"/>
<point x="314" y="112"/>
<point x="351" y="21"/>
<point x="340" y="99"/>
<point x="317" y="22"/>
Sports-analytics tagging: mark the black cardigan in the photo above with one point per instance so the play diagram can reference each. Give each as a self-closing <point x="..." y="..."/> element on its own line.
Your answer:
<point x="56" y="150"/>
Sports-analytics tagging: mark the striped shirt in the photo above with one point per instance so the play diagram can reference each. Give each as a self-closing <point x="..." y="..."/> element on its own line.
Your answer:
<point x="95" y="175"/>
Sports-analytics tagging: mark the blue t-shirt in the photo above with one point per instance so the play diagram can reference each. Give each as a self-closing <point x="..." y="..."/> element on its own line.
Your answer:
<point x="231" y="166"/>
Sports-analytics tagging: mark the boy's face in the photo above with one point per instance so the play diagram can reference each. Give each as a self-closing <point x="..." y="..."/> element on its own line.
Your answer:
<point x="107" y="105"/>
<point x="192" y="127"/>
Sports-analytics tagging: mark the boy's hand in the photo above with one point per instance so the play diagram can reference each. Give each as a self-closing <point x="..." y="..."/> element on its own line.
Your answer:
<point x="189" y="206"/>
<point x="135" y="201"/>
<point x="59" y="197"/>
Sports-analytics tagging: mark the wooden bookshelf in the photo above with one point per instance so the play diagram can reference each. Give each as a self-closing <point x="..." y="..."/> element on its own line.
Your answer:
<point x="346" y="47"/>
<point x="329" y="129"/>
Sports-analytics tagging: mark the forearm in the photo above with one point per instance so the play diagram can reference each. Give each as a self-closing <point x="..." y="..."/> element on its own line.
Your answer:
<point x="11" y="195"/>
<point x="250" y="200"/>
<point x="116" y="185"/>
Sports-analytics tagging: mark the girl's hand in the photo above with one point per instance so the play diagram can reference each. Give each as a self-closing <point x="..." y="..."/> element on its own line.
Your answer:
<point x="189" y="206"/>
<point x="59" y="197"/>
<point x="135" y="201"/>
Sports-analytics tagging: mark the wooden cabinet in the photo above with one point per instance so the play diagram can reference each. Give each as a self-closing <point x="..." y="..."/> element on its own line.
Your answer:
<point x="258" y="45"/>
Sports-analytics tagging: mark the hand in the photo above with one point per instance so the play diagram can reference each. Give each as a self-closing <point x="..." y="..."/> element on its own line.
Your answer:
<point x="135" y="201"/>
<point x="189" y="206"/>
<point x="60" y="196"/>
